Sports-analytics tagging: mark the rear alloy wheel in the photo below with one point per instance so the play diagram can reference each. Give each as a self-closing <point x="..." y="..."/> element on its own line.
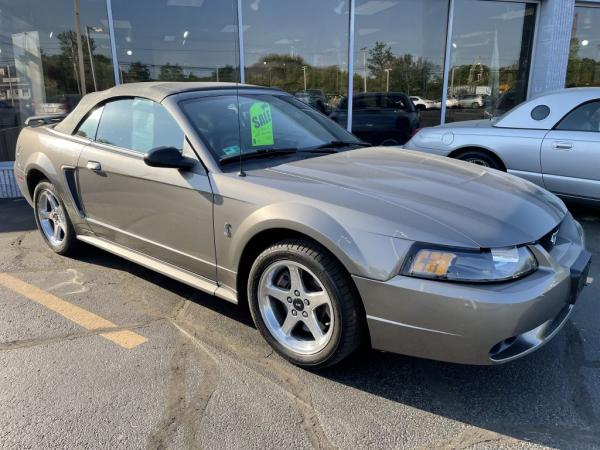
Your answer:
<point x="304" y="304"/>
<point x="52" y="219"/>
<point x="480" y="159"/>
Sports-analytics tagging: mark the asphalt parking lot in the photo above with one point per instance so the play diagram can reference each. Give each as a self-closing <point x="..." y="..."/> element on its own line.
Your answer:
<point x="96" y="352"/>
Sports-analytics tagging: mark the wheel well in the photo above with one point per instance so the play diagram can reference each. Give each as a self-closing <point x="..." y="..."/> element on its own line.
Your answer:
<point x="256" y="245"/>
<point x="460" y="151"/>
<point x="34" y="177"/>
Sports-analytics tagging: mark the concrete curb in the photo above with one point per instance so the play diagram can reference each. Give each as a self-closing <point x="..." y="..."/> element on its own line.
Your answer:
<point x="8" y="184"/>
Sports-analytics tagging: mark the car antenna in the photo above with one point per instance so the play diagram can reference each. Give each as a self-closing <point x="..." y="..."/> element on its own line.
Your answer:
<point x="241" y="172"/>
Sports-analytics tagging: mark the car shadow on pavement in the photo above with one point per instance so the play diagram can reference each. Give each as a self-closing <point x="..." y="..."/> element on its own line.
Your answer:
<point x="542" y="398"/>
<point x="96" y="256"/>
<point x="547" y="398"/>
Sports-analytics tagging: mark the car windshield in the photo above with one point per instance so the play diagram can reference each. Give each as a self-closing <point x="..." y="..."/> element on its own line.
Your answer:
<point x="267" y="122"/>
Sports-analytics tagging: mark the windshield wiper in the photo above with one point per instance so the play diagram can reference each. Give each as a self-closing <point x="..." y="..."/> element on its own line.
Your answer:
<point x="259" y="153"/>
<point x="339" y="144"/>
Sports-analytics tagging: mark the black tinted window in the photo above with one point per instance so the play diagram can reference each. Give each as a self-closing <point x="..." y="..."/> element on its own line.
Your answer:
<point x="139" y="125"/>
<point x="393" y="102"/>
<point x="583" y="118"/>
<point x="364" y="102"/>
<point x="90" y="124"/>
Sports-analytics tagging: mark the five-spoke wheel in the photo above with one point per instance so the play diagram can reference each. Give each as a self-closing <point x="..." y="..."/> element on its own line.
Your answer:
<point x="295" y="307"/>
<point x="305" y="304"/>
<point x="52" y="219"/>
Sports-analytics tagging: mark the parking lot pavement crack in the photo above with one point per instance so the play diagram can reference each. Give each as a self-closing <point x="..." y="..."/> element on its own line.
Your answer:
<point x="282" y="376"/>
<point x="467" y="440"/>
<point x="180" y="412"/>
<point x="14" y="345"/>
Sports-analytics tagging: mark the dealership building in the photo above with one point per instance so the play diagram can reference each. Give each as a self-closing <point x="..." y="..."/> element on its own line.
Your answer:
<point x="456" y="59"/>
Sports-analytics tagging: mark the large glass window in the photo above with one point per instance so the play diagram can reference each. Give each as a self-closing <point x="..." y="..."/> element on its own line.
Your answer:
<point x="490" y="58"/>
<point x="300" y="47"/>
<point x="584" y="55"/>
<point x="399" y="49"/>
<point x="176" y="40"/>
<point x="50" y="54"/>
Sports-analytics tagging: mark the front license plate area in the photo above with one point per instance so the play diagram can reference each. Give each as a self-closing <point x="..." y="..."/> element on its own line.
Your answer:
<point x="579" y="273"/>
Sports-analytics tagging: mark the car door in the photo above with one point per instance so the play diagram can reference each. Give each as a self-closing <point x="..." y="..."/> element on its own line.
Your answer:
<point x="162" y="212"/>
<point x="570" y="153"/>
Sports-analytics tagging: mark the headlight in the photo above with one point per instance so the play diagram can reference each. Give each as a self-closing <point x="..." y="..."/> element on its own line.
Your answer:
<point x="498" y="264"/>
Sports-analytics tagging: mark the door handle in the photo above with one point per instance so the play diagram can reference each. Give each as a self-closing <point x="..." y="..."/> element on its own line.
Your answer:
<point x="94" y="165"/>
<point x="562" y="145"/>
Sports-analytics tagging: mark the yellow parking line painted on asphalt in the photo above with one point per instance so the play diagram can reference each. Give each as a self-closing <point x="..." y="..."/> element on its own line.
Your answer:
<point x="88" y="320"/>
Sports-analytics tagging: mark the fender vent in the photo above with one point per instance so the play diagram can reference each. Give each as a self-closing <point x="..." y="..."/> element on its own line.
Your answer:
<point x="71" y="179"/>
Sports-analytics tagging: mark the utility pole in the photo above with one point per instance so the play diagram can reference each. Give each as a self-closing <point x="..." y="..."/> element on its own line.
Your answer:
<point x="364" y="50"/>
<point x="87" y="36"/>
<point x="304" y="72"/>
<point x="79" y="47"/>
<point x="387" y="79"/>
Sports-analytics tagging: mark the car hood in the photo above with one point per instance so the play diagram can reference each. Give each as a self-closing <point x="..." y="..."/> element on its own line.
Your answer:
<point x="424" y="197"/>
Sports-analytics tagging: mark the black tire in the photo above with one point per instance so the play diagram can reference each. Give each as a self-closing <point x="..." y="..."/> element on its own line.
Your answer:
<point x="69" y="244"/>
<point x="349" y="317"/>
<point x="390" y="142"/>
<point x="480" y="158"/>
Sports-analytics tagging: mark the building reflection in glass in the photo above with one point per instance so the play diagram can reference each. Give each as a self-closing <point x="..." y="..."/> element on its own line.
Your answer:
<point x="491" y="51"/>
<point x="176" y="40"/>
<point x="300" y="47"/>
<point x="584" y="56"/>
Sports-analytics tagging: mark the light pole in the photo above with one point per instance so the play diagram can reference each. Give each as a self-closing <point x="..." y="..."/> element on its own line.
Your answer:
<point x="87" y="37"/>
<point x="387" y="79"/>
<point x="364" y="50"/>
<point x="304" y="73"/>
<point x="10" y="89"/>
<point x="217" y="74"/>
<point x="79" y="49"/>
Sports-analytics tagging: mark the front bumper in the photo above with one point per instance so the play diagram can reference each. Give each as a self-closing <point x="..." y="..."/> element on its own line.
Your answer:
<point x="478" y="323"/>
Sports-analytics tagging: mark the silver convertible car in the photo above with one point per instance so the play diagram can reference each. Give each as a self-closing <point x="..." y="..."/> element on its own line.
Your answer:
<point x="253" y="196"/>
<point x="552" y="141"/>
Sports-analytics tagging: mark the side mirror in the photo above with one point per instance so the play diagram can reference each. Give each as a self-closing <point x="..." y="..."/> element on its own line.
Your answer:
<point x="168" y="157"/>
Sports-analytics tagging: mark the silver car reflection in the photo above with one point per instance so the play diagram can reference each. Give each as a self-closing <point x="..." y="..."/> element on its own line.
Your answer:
<point x="253" y="196"/>
<point x="552" y="141"/>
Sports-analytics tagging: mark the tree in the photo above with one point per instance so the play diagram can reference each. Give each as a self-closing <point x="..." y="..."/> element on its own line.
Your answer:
<point x="137" y="72"/>
<point x="171" y="72"/>
<point x="380" y="58"/>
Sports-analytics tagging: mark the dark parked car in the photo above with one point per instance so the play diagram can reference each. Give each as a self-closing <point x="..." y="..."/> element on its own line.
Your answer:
<point x="381" y="118"/>
<point x="315" y="98"/>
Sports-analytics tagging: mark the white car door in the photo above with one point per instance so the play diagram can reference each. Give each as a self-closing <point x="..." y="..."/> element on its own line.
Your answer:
<point x="571" y="153"/>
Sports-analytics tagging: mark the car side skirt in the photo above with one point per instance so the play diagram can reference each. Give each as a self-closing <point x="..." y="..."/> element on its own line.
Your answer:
<point x="163" y="268"/>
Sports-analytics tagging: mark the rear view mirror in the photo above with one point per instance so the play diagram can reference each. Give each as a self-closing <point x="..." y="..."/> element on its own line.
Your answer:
<point x="168" y="157"/>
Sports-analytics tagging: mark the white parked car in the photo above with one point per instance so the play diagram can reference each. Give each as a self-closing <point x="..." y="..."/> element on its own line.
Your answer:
<point x="451" y="102"/>
<point x="422" y="103"/>
<point x="552" y="140"/>
<point x="471" y="101"/>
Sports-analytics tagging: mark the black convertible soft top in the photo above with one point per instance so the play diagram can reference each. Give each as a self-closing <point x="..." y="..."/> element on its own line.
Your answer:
<point x="153" y="90"/>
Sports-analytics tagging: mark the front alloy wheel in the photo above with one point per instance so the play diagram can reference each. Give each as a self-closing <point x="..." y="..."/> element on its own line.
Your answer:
<point x="295" y="307"/>
<point x="305" y="304"/>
